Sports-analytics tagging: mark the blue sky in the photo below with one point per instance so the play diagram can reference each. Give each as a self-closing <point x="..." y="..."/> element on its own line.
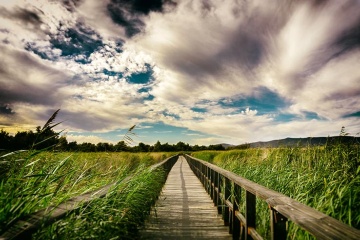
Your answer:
<point x="201" y="72"/>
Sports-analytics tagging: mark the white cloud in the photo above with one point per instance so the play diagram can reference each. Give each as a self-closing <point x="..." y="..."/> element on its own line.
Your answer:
<point x="334" y="90"/>
<point x="306" y="42"/>
<point x="201" y="52"/>
<point x="86" y="138"/>
<point x="190" y="46"/>
<point x="94" y="14"/>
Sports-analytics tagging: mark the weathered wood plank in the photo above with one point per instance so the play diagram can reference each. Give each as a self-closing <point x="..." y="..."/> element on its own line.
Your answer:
<point x="184" y="210"/>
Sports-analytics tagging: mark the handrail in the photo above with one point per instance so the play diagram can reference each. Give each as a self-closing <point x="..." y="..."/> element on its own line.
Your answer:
<point x="167" y="164"/>
<point x="223" y="185"/>
<point x="23" y="228"/>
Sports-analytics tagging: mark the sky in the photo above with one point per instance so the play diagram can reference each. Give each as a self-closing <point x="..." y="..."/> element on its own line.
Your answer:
<point x="201" y="72"/>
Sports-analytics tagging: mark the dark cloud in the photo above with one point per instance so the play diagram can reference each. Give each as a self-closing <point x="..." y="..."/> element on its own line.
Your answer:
<point x="27" y="93"/>
<point x="6" y="110"/>
<point x="195" y="64"/>
<point x="26" y="16"/>
<point x="349" y="40"/>
<point x="79" y="40"/>
<point x="24" y="79"/>
<point x="206" y="5"/>
<point x="132" y="25"/>
<point x="32" y="47"/>
<point x="70" y="5"/>
<point x="248" y="46"/>
<point x="129" y="13"/>
<point x="247" y="49"/>
<point x="93" y="121"/>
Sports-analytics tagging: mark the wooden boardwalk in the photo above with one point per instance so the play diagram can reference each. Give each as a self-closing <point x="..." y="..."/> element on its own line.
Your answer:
<point x="184" y="210"/>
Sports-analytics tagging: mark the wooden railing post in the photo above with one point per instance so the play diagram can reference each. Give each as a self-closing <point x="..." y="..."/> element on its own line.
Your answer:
<point x="235" y="200"/>
<point x="220" y="189"/>
<point x="216" y="189"/>
<point x="278" y="225"/>
<point x="250" y="214"/>
<point x="199" y="166"/>
<point x="212" y="184"/>
<point x="203" y="171"/>
<point x="227" y="194"/>
<point x="208" y="181"/>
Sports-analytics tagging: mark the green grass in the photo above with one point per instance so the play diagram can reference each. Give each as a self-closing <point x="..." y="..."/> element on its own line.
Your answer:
<point x="31" y="181"/>
<point x="325" y="178"/>
<point x="116" y="216"/>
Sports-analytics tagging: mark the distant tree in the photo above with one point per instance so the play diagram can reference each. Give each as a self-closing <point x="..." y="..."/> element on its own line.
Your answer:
<point x="198" y="148"/>
<point x="142" y="147"/>
<point x="23" y="140"/>
<point x="5" y="140"/>
<point x="72" y="146"/>
<point x="86" y="147"/>
<point x="157" y="147"/>
<point x="104" y="147"/>
<point x="181" y="146"/>
<point x="121" y="147"/>
<point x="167" y="148"/>
<point x="216" y="147"/>
<point x="62" y="144"/>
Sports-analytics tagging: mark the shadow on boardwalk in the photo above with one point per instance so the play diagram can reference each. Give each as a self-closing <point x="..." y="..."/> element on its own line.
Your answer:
<point x="184" y="210"/>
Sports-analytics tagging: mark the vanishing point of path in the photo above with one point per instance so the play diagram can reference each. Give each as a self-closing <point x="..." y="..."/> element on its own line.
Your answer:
<point x="184" y="209"/>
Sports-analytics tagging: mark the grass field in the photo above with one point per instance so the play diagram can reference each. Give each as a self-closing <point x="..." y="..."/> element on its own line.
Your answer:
<point x="30" y="181"/>
<point x="325" y="178"/>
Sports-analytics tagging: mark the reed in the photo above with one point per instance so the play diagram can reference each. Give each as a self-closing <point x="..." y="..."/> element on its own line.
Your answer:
<point x="325" y="178"/>
<point x="35" y="180"/>
<point x="116" y="216"/>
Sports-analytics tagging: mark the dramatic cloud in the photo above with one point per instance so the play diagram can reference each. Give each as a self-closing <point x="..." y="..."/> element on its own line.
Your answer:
<point x="24" y="78"/>
<point x="130" y="13"/>
<point x="226" y="71"/>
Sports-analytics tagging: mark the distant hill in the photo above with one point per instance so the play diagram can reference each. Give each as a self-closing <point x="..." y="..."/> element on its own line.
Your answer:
<point x="226" y="145"/>
<point x="293" y="142"/>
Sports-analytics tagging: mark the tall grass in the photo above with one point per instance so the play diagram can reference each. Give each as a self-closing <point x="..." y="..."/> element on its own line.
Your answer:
<point x="34" y="180"/>
<point x="116" y="216"/>
<point x="325" y="178"/>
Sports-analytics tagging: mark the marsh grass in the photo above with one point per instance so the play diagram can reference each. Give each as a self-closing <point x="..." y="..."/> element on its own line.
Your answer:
<point x="34" y="180"/>
<point x="116" y="216"/>
<point x="325" y="178"/>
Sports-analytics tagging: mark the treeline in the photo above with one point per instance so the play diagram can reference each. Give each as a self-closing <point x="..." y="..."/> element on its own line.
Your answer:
<point x="48" y="139"/>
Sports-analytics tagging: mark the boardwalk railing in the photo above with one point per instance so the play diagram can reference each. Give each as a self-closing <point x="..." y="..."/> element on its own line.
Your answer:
<point x="225" y="188"/>
<point x="25" y="227"/>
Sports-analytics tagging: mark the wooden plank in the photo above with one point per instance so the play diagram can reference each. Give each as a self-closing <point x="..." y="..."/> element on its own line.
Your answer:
<point x="184" y="210"/>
